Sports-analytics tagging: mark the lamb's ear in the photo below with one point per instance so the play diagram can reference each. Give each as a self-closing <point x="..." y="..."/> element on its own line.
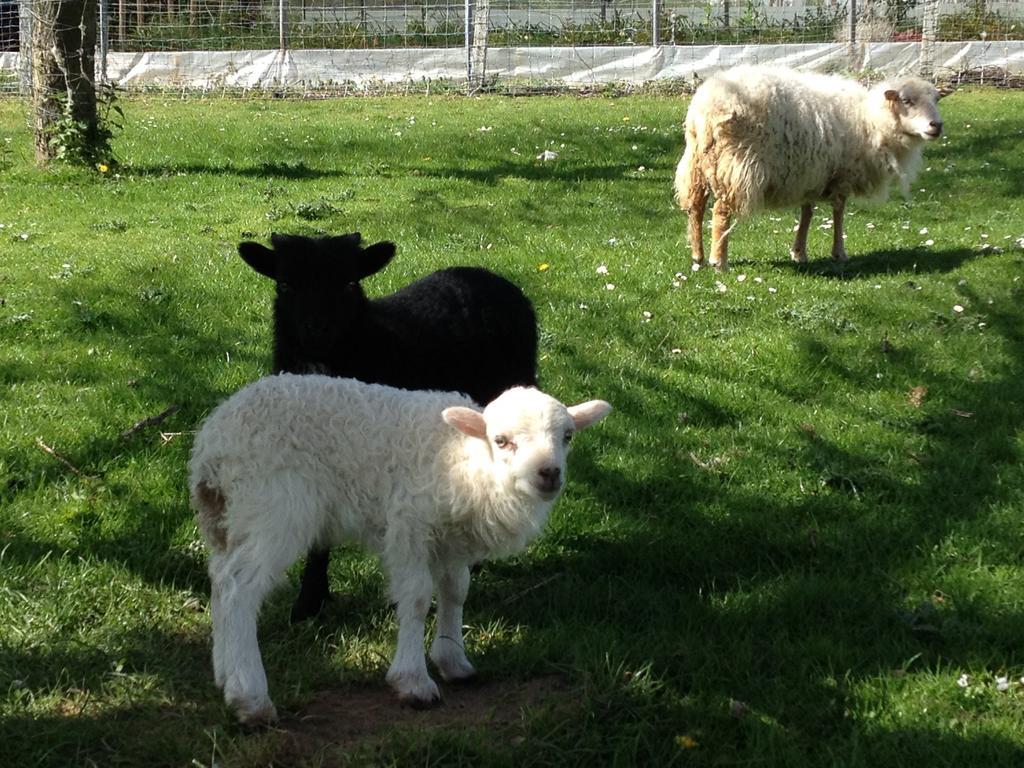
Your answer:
<point x="590" y="412"/>
<point x="260" y="258"/>
<point x="373" y="259"/>
<point x="892" y="95"/>
<point x="466" y="420"/>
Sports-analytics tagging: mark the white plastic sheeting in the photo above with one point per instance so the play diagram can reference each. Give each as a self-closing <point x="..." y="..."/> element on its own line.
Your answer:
<point x="326" y="69"/>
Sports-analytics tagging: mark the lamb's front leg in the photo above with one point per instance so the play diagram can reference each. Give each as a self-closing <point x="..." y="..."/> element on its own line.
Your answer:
<point x="448" y="651"/>
<point x="411" y="589"/>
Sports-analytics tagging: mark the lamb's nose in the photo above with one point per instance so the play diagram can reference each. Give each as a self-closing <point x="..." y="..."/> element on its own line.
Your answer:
<point x="551" y="476"/>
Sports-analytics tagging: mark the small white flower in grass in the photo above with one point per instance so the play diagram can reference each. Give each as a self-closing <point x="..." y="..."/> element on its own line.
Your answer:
<point x="676" y="283"/>
<point x="584" y="306"/>
<point x="485" y="129"/>
<point x="958" y="308"/>
<point x="929" y="242"/>
<point x="678" y="351"/>
<point x="647" y="316"/>
<point x="612" y="241"/>
<point x="877" y="287"/>
<point x="964" y="680"/>
<point x="634" y="147"/>
<point x="923" y="231"/>
<point x="695" y="267"/>
<point x="1002" y="683"/>
<point x="720" y="286"/>
<point x="773" y="290"/>
<point x="547" y="155"/>
<point x="602" y="270"/>
<point x="740" y="278"/>
<point x="984" y="236"/>
<point x="758" y="280"/>
<point x="609" y="286"/>
<point x="641" y="169"/>
<point x="870" y="225"/>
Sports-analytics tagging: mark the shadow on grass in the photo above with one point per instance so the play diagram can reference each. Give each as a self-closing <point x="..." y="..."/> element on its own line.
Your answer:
<point x="913" y="261"/>
<point x="285" y="170"/>
<point x="794" y="603"/>
<point x="108" y="512"/>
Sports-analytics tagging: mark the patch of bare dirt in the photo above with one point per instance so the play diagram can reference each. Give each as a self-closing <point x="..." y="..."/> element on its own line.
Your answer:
<point x="354" y="715"/>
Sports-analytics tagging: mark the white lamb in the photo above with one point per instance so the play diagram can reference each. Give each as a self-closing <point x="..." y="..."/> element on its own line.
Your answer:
<point x="424" y="479"/>
<point x="760" y="137"/>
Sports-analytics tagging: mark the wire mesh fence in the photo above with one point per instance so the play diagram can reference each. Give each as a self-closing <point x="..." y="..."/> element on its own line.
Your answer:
<point x="323" y="43"/>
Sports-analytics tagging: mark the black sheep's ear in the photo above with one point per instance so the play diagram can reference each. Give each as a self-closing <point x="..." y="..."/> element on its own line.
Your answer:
<point x="260" y="258"/>
<point x="373" y="259"/>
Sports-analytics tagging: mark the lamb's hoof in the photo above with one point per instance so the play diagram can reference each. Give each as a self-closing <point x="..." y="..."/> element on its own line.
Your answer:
<point x="455" y="670"/>
<point x="840" y="257"/>
<point x="800" y="257"/>
<point x="257" y="716"/>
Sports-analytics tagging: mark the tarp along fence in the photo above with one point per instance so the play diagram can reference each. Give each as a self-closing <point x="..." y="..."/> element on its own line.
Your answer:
<point x="350" y="46"/>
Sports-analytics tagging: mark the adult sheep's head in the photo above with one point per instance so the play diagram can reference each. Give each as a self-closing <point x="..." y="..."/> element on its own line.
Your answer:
<point x="528" y="434"/>
<point x="318" y="293"/>
<point x="914" y="103"/>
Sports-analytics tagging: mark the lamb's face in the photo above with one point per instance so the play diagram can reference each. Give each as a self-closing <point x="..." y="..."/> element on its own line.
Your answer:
<point x="528" y="435"/>
<point x="914" y="102"/>
<point x="319" y="298"/>
<point x="316" y="308"/>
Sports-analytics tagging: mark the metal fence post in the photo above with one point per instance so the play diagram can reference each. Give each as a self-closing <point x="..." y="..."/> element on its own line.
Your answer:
<point x="854" y="64"/>
<point x="655" y="22"/>
<point x="104" y="41"/>
<point x="282" y="24"/>
<point x="929" y="32"/>
<point x="25" y="13"/>
<point x="469" y="40"/>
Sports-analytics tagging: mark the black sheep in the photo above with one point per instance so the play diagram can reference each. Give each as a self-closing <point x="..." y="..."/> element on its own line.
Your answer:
<point x="461" y="329"/>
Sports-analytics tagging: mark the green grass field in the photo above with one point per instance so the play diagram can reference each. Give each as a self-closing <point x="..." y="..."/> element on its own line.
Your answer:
<point x="798" y="540"/>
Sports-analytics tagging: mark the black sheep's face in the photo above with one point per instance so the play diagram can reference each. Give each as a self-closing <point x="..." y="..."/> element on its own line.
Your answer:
<point x="319" y="298"/>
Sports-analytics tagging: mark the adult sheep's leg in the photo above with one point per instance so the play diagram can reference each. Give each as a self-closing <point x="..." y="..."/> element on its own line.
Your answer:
<point x="411" y="589"/>
<point x="695" y="222"/>
<point x="720" y="229"/>
<point x="799" y="251"/>
<point x="838" y="246"/>
<point x="314" y="590"/>
<point x="448" y="651"/>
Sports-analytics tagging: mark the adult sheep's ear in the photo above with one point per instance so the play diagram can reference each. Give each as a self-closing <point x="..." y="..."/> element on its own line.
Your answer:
<point x="373" y="259"/>
<point x="260" y="258"/>
<point x="466" y="420"/>
<point x="590" y="412"/>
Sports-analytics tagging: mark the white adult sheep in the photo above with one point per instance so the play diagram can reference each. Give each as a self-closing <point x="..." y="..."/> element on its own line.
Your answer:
<point x="422" y="478"/>
<point x="763" y="137"/>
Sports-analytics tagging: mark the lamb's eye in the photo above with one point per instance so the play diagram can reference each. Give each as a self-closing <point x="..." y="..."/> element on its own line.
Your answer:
<point x="907" y="102"/>
<point x="568" y="436"/>
<point x="501" y="441"/>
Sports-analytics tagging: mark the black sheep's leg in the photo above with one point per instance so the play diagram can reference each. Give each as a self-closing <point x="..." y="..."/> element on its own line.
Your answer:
<point x="314" y="590"/>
